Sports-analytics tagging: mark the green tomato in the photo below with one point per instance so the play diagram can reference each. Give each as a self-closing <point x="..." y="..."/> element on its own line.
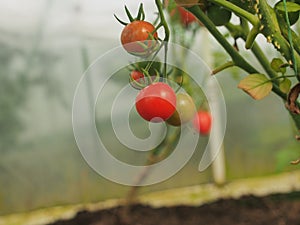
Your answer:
<point x="218" y="15"/>
<point x="185" y="110"/>
<point x="293" y="11"/>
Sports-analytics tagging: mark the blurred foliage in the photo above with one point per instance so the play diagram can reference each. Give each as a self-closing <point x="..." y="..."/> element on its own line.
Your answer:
<point x="13" y="88"/>
<point x="20" y="72"/>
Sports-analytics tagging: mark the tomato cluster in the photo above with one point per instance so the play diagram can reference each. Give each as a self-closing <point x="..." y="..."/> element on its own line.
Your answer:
<point x="156" y="100"/>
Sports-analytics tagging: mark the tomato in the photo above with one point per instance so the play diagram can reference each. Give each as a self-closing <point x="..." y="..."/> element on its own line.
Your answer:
<point x="139" y="38"/>
<point x="156" y="102"/>
<point x="136" y="75"/>
<point x="218" y="15"/>
<point x="187" y="3"/>
<point x="186" y="17"/>
<point x="185" y="110"/>
<point x="293" y="15"/>
<point x="202" y="122"/>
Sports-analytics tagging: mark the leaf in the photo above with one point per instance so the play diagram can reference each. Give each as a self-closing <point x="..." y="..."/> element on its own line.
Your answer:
<point x="285" y="85"/>
<point x="256" y="85"/>
<point x="278" y="65"/>
<point x="290" y="6"/>
<point x="292" y="99"/>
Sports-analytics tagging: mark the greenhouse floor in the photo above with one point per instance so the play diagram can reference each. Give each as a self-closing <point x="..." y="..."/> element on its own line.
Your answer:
<point x="185" y="201"/>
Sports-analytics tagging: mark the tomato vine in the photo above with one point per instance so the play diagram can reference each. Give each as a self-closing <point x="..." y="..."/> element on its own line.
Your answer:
<point x="255" y="17"/>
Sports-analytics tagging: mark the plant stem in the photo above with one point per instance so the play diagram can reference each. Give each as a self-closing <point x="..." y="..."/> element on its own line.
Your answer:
<point x="236" y="57"/>
<point x="273" y="34"/>
<point x="222" y="67"/>
<point x="239" y="31"/>
<point x="238" y="11"/>
<point x="164" y="23"/>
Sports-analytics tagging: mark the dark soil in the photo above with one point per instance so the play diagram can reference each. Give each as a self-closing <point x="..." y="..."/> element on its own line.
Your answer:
<point x="279" y="209"/>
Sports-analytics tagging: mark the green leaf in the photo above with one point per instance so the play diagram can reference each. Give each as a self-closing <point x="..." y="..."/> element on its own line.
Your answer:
<point x="256" y="85"/>
<point x="290" y="6"/>
<point x="277" y="65"/>
<point x="285" y="85"/>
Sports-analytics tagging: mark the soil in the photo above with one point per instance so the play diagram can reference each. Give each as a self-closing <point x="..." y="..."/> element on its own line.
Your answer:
<point x="277" y="209"/>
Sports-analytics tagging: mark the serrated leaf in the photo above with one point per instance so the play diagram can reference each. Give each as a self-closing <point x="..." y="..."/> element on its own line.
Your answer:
<point x="256" y="85"/>
<point x="276" y="65"/>
<point x="290" y="6"/>
<point x="285" y="85"/>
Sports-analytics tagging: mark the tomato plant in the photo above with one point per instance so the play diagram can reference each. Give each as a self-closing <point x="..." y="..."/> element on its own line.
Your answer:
<point x="139" y="38"/>
<point x="185" y="110"/>
<point x="202" y="122"/>
<point x="156" y="102"/>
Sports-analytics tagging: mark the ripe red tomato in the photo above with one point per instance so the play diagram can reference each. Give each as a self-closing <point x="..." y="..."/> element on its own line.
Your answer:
<point x="156" y="102"/>
<point x="202" y="122"/>
<point x="185" y="110"/>
<point x="139" y="38"/>
<point x="186" y="17"/>
<point x="136" y="75"/>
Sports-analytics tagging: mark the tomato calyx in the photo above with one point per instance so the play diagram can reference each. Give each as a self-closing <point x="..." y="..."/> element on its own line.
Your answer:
<point x="140" y="15"/>
<point x="141" y="79"/>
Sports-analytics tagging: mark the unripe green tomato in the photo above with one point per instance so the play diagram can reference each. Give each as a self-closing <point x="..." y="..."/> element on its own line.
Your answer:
<point x="186" y="3"/>
<point x="293" y="16"/>
<point x="185" y="110"/>
<point x="218" y="15"/>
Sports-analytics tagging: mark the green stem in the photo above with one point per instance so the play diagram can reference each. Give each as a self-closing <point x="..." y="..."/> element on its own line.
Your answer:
<point x="239" y="31"/>
<point x="290" y="39"/>
<point x="261" y="57"/>
<point x="163" y="20"/>
<point x="164" y="23"/>
<point x="236" y="57"/>
<point x="273" y="34"/>
<point x="223" y="67"/>
<point x="238" y="11"/>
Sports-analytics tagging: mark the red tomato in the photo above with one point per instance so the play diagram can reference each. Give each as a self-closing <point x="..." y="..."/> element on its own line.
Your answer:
<point x="139" y="38"/>
<point x="186" y="17"/>
<point x="156" y="102"/>
<point x="136" y="75"/>
<point x="202" y="122"/>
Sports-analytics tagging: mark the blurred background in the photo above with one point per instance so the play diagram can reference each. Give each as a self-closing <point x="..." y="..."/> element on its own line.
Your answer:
<point x="46" y="46"/>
